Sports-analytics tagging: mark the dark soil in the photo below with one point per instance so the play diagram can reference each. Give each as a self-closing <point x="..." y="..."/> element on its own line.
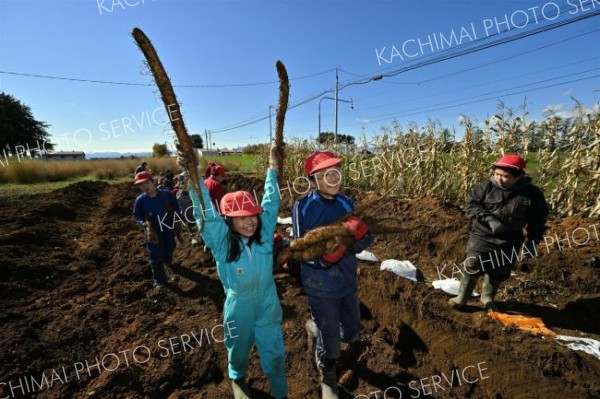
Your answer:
<point x="75" y="287"/>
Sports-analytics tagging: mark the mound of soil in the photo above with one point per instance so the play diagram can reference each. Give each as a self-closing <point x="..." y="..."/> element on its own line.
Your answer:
<point x="80" y="318"/>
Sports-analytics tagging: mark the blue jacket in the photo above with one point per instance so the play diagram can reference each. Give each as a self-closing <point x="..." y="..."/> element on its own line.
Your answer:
<point x="157" y="210"/>
<point x="340" y="279"/>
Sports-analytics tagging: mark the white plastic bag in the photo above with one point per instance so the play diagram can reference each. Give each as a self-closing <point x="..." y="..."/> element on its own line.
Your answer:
<point x="367" y="256"/>
<point x="450" y="286"/>
<point x="588" y="345"/>
<point x="287" y="220"/>
<point x="402" y="268"/>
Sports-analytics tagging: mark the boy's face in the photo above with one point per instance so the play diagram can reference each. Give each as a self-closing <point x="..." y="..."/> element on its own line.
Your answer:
<point x="147" y="187"/>
<point x="505" y="179"/>
<point x="329" y="181"/>
<point x="245" y="225"/>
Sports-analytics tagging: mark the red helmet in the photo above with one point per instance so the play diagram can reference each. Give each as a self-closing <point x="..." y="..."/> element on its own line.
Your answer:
<point x="209" y="169"/>
<point x="239" y="203"/>
<point x="320" y="160"/>
<point x="511" y="161"/>
<point x="142" y="177"/>
<point x="217" y="170"/>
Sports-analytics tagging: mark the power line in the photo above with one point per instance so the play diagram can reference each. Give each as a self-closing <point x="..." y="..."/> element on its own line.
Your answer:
<point x="495" y="96"/>
<point x="379" y="106"/>
<point x="532" y="21"/>
<point x="463" y="88"/>
<point x="434" y="60"/>
<point x="152" y="84"/>
<point x="484" y="46"/>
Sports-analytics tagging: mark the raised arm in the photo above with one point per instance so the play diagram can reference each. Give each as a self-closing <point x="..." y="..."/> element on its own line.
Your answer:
<point x="270" y="204"/>
<point x="215" y="230"/>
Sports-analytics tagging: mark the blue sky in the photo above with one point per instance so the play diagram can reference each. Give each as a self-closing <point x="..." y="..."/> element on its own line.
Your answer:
<point x="237" y="42"/>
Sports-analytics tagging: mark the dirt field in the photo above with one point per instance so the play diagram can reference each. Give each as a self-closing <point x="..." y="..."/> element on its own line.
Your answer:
<point x="75" y="288"/>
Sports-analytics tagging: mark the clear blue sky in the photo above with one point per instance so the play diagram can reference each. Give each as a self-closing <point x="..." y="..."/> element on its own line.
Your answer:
<point x="238" y="42"/>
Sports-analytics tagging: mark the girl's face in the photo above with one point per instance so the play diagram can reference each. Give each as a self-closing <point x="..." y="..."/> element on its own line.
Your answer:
<point x="245" y="225"/>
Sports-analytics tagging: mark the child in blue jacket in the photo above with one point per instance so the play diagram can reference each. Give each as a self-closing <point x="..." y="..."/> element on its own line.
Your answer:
<point x="242" y="245"/>
<point x="331" y="281"/>
<point x="155" y="210"/>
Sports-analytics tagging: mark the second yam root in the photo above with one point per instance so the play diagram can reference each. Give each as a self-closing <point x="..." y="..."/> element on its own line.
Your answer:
<point x="317" y="241"/>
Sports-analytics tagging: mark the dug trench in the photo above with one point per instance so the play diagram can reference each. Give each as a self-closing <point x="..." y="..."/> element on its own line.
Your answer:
<point x="78" y="309"/>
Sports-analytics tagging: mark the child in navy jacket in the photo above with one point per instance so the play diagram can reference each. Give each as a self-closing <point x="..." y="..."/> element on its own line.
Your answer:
<point x="331" y="281"/>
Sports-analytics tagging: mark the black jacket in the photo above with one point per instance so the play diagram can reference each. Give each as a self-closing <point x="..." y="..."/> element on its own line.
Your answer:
<point x="522" y="206"/>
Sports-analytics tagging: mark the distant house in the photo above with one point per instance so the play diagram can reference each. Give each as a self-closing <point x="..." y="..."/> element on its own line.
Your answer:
<point x="207" y="153"/>
<point x="64" y="155"/>
<point x="226" y="151"/>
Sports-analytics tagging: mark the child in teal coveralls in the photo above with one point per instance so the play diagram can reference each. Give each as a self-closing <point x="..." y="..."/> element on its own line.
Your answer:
<point x="242" y="245"/>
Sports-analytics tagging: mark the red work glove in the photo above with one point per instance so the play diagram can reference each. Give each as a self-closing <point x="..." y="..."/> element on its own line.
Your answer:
<point x="356" y="227"/>
<point x="334" y="255"/>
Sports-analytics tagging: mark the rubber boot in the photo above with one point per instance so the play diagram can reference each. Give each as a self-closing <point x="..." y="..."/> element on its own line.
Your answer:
<point x="240" y="389"/>
<point x="329" y="388"/>
<point x="467" y="285"/>
<point x="488" y="292"/>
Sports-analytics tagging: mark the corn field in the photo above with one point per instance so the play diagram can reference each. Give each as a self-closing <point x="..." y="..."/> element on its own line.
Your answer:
<point x="563" y="157"/>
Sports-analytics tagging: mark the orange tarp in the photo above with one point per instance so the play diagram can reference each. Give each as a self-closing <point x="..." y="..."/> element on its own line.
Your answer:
<point x="534" y="325"/>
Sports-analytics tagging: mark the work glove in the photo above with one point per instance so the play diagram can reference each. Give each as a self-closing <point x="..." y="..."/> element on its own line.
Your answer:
<point x="356" y="227"/>
<point x="498" y="228"/>
<point x="272" y="156"/>
<point x="334" y="255"/>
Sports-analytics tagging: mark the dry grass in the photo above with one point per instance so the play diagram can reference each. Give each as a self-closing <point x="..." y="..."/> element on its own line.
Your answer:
<point x="31" y="171"/>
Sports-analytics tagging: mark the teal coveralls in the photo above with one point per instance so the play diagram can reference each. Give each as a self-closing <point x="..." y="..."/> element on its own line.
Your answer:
<point x="251" y="303"/>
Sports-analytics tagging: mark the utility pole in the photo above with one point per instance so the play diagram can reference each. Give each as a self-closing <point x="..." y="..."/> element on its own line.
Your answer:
<point x="206" y="139"/>
<point x="336" y="108"/>
<point x="210" y="138"/>
<point x="351" y="102"/>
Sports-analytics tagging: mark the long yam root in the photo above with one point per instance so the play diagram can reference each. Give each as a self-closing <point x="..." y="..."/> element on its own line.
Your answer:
<point x="317" y="235"/>
<point x="284" y="94"/>
<point x="317" y="241"/>
<point x="172" y="106"/>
